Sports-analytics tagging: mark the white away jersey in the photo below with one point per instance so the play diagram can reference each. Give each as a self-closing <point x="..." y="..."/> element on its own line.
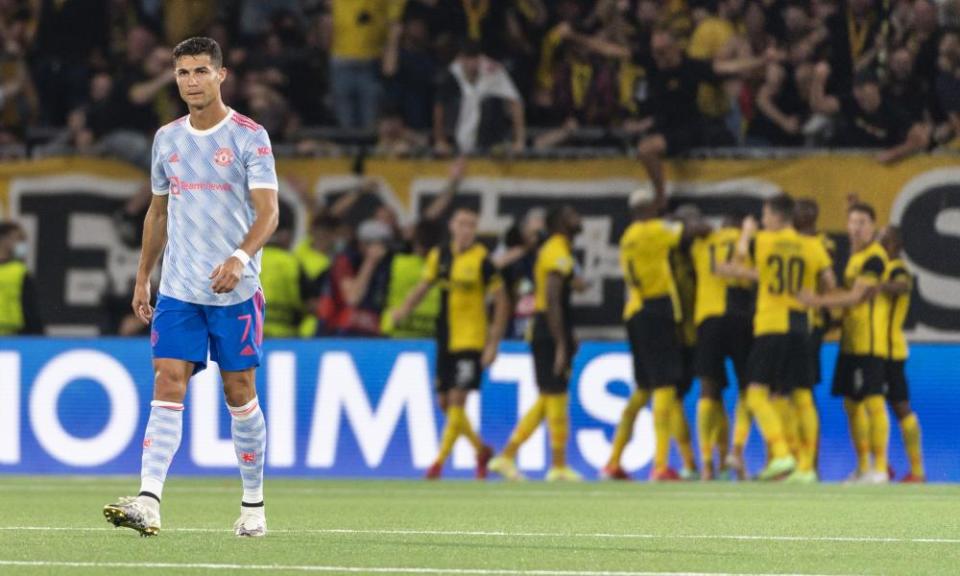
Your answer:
<point x="208" y="175"/>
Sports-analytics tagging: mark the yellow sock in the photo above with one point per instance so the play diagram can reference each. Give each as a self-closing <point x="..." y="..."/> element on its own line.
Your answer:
<point x="624" y="432"/>
<point x="706" y="430"/>
<point x="758" y="402"/>
<point x="466" y="428"/>
<point x="859" y="432"/>
<point x="788" y="419"/>
<point x="663" y="400"/>
<point x="809" y="427"/>
<point x="879" y="430"/>
<point x="450" y="433"/>
<point x="721" y="426"/>
<point x="558" y="421"/>
<point x="741" y="424"/>
<point x="910" y="429"/>
<point x="525" y="428"/>
<point x="680" y="430"/>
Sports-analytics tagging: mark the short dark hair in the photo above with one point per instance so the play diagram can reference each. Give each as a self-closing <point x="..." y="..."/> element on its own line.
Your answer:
<point x="471" y="48"/>
<point x="556" y="217"/>
<point x="863" y="208"/>
<point x="8" y="227"/>
<point x="286" y="218"/>
<point x="428" y="233"/>
<point x="783" y="205"/>
<point x="199" y="45"/>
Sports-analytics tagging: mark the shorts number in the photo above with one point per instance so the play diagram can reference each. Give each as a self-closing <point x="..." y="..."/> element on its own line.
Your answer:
<point x="465" y="373"/>
<point x="787" y="276"/>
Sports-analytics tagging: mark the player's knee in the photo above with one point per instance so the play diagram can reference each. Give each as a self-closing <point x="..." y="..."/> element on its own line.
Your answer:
<point x="457" y="397"/>
<point x="875" y="405"/>
<point x="442" y="401"/>
<point x="169" y="385"/>
<point x="238" y="390"/>
<point x="651" y="148"/>
<point x="709" y="389"/>
<point x="902" y="409"/>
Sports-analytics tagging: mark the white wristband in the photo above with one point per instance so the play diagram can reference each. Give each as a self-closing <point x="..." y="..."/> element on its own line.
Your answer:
<point x="242" y="256"/>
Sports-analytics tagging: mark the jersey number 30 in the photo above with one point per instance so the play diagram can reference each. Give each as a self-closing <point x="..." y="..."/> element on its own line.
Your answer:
<point x="787" y="275"/>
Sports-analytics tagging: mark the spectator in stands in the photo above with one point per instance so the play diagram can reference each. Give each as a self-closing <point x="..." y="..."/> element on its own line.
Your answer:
<point x="361" y="30"/>
<point x="906" y="91"/>
<point x="19" y="104"/>
<point x="355" y="294"/>
<point x="675" y="121"/>
<point x="479" y="89"/>
<point x="868" y="120"/>
<point x="406" y="272"/>
<point x="71" y="35"/>
<point x="19" y="310"/>
<point x="411" y="79"/>
<point x="781" y="108"/>
<point x="146" y="97"/>
<point x="283" y="280"/>
<point x="315" y="253"/>
<point x="97" y="129"/>
<point x="394" y="138"/>
<point x="948" y="86"/>
<point x="713" y="38"/>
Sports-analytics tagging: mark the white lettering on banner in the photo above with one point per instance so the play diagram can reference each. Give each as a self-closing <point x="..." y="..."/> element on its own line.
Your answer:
<point x="9" y="408"/>
<point x="123" y="414"/>
<point x="464" y="456"/>
<point x="207" y="448"/>
<point x="518" y="368"/>
<point x="340" y="391"/>
<point x="599" y="403"/>
<point x="282" y="406"/>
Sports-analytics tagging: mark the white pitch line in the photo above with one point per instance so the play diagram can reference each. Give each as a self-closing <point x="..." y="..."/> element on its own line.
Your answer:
<point x="364" y="569"/>
<point x="550" y="535"/>
<point x="503" y="492"/>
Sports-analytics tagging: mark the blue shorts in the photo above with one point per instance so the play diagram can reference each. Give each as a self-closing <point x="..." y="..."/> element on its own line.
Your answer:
<point x="233" y="335"/>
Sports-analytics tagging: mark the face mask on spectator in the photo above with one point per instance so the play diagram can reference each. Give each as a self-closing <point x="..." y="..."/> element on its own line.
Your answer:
<point x="20" y="250"/>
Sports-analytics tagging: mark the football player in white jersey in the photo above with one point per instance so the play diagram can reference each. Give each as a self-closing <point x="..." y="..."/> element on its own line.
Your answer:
<point x="214" y="207"/>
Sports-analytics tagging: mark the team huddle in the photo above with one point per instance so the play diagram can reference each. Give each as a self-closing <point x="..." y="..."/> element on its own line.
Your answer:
<point x="761" y="296"/>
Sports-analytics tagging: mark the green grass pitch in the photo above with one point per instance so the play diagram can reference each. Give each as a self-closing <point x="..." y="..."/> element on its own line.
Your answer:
<point x="54" y="525"/>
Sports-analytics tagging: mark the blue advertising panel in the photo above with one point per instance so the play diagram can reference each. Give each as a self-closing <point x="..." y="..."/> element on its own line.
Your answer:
<point x="365" y="408"/>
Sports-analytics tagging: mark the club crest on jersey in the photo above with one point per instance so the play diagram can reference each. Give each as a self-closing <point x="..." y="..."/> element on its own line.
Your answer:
<point x="223" y="156"/>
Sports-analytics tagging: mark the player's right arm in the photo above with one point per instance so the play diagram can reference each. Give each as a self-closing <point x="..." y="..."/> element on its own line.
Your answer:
<point x="154" y="233"/>
<point x="555" y="321"/>
<point x="154" y="240"/>
<point x="414" y="298"/>
<point x="864" y="288"/>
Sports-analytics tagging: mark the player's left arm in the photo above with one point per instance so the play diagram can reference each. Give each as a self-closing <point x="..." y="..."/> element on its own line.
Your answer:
<point x="736" y="271"/>
<point x="501" y="313"/>
<point x="899" y="282"/>
<point x="864" y="288"/>
<point x="262" y="179"/>
<point x="226" y="276"/>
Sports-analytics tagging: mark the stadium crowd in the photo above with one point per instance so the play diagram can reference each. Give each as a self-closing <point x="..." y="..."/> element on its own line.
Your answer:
<point x="415" y="76"/>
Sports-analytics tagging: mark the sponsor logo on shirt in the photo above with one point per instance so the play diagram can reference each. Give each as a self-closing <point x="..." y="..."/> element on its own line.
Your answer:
<point x="174" y="158"/>
<point x="177" y="185"/>
<point x="264" y="151"/>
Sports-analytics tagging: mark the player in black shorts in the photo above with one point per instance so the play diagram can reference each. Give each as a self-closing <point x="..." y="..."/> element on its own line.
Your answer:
<point x="895" y="296"/>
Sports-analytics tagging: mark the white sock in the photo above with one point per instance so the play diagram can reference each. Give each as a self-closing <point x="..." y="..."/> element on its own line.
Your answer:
<point x="250" y="442"/>
<point x="160" y="442"/>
